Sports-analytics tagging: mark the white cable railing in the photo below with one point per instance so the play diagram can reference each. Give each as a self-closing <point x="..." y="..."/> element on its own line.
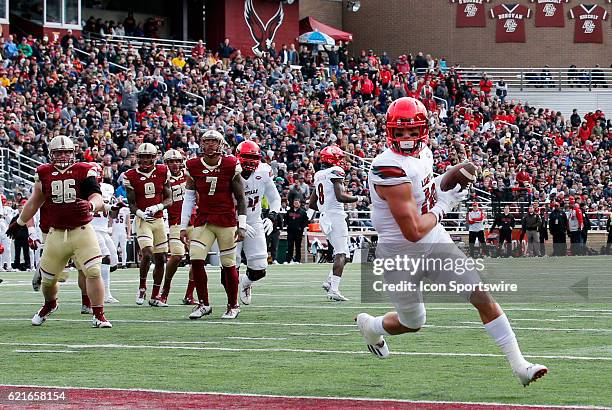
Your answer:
<point x="124" y="41"/>
<point x="544" y="78"/>
<point x="16" y="168"/>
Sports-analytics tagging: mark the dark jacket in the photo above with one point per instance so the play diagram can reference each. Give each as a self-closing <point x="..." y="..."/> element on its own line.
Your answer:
<point x="557" y="222"/>
<point x="503" y="222"/>
<point x="531" y="222"/>
<point x="22" y="232"/>
<point x="296" y="220"/>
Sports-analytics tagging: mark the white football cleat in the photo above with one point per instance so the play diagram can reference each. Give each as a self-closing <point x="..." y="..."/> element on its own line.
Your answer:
<point x="336" y="296"/>
<point x="86" y="310"/>
<point x="376" y="343"/>
<point x="326" y="286"/>
<point x="110" y="300"/>
<point x="36" y="280"/>
<point x="245" y="292"/>
<point x="231" y="313"/>
<point x="42" y="315"/>
<point x="531" y="373"/>
<point x="199" y="311"/>
<point x="157" y="303"/>
<point x="141" y="296"/>
<point x="101" y="323"/>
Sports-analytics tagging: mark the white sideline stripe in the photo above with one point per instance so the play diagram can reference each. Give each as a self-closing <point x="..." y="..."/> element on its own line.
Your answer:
<point x="287" y="350"/>
<point x="533" y="320"/>
<point x="366" y="306"/>
<point x="189" y="343"/>
<point x="254" y="338"/>
<point x="356" y="399"/>
<point x="45" y="351"/>
<point x="319" y="334"/>
<point x="478" y="326"/>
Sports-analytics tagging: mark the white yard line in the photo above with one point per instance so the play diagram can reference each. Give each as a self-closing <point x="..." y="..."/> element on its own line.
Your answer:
<point x="287" y="350"/>
<point x="357" y="400"/>
<point x="476" y="325"/>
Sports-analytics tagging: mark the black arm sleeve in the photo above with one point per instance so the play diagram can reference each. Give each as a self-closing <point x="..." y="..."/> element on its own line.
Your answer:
<point x="90" y="186"/>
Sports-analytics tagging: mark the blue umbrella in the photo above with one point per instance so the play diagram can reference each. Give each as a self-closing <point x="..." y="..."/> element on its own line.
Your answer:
<point x="316" y="37"/>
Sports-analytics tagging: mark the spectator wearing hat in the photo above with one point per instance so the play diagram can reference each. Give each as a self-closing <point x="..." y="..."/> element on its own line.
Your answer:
<point x="475" y="221"/>
<point x="557" y="224"/>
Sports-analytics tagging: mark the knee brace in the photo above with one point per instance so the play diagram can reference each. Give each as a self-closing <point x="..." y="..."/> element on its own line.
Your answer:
<point x="255" y="275"/>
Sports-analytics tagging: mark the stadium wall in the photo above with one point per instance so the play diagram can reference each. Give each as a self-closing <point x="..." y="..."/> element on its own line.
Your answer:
<point x="226" y="19"/>
<point x="326" y="11"/>
<point x="408" y="26"/>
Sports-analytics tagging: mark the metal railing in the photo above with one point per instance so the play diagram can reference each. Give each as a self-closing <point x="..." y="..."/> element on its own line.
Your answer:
<point x="16" y="169"/>
<point x="553" y="79"/>
<point x="124" y="41"/>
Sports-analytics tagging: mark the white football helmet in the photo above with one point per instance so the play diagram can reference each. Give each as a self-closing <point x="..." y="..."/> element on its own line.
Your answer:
<point x="210" y="150"/>
<point x="108" y="192"/>
<point x="146" y="154"/>
<point x="61" y="151"/>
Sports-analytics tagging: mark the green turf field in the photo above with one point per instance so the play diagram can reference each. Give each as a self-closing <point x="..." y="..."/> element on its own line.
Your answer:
<point x="291" y="341"/>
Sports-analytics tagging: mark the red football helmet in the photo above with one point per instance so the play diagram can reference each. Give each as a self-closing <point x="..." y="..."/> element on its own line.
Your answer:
<point x="334" y="156"/>
<point x="3" y="199"/>
<point x="249" y="155"/>
<point x="407" y="113"/>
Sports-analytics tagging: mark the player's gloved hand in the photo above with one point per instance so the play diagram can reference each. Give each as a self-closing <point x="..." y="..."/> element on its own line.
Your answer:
<point x="145" y="216"/>
<point x="83" y="206"/>
<point x="268" y="226"/>
<point x="153" y="209"/>
<point x="361" y="198"/>
<point x="250" y="231"/>
<point x="12" y="229"/>
<point x="446" y="201"/>
<point x="310" y="213"/>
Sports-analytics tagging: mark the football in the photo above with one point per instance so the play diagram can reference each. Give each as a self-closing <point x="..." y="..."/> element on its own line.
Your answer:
<point x="462" y="174"/>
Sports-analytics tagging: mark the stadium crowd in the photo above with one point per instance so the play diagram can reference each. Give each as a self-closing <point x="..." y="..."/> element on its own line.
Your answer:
<point x="525" y="153"/>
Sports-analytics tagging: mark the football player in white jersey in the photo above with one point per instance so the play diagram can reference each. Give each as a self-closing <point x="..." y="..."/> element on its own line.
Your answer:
<point x="100" y="224"/>
<point x="329" y="197"/>
<point x="257" y="181"/>
<point x="407" y="206"/>
<point x="121" y="229"/>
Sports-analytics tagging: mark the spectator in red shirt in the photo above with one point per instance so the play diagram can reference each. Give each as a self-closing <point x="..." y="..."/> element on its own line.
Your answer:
<point x="486" y="85"/>
<point x="367" y="87"/>
<point x="584" y="132"/>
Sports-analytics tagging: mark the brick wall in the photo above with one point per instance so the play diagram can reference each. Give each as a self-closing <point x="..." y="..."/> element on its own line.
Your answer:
<point x="326" y="11"/>
<point x="403" y="26"/>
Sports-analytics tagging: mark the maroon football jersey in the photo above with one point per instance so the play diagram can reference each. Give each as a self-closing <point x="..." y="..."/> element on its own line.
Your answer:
<point x="589" y="21"/>
<point x="510" y="22"/>
<point x="214" y="189"/>
<point x="43" y="220"/>
<point x="148" y="187"/>
<point x="62" y="189"/>
<point x="471" y="13"/>
<point x="549" y="13"/>
<point x="178" y="191"/>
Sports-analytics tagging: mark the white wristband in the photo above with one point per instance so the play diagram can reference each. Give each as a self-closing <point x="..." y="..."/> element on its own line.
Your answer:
<point x="438" y="213"/>
<point x="20" y="221"/>
<point x="310" y="213"/>
<point x="31" y="231"/>
<point x="242" y="221"/>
